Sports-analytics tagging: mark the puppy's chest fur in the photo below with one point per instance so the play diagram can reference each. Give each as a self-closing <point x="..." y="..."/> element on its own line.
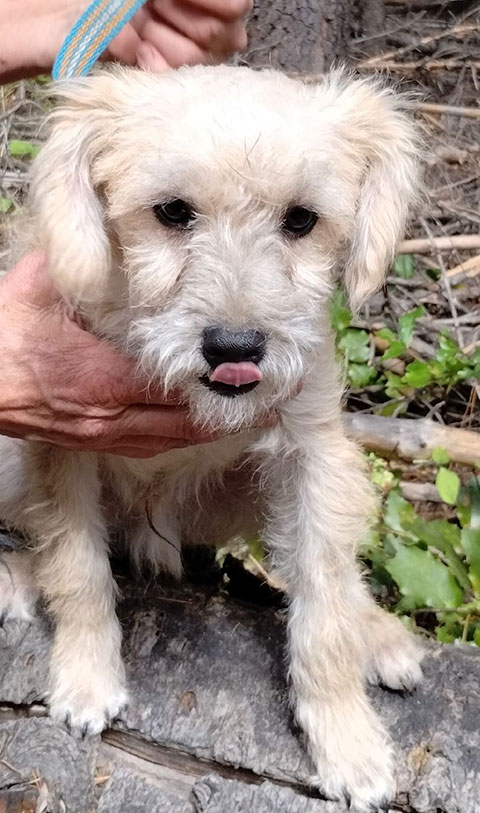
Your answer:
<point x="202" y="495"/>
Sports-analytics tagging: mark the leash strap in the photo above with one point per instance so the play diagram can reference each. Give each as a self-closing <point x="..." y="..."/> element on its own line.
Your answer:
<point x="91" y="35"/>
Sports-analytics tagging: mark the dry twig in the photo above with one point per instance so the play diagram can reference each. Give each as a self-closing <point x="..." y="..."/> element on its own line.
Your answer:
<point x="445" y="109"/>
<point x="422" y="65"/>
<point x="468" y="268"/>
<point x="424" y="245"/>
<point x="454" y="31"/>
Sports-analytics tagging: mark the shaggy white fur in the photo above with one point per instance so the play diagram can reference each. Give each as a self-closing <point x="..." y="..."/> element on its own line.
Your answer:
<point x="242" y="149"/>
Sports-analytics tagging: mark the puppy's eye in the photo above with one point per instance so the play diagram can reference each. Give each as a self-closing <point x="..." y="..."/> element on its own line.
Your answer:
<point x="175" y="213"/>
<point x="299" y="221"/>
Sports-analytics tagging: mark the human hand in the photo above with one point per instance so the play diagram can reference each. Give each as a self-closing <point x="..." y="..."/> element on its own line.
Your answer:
<point x="62" y="385"/>
<point x="163" y="34"/>
<point x="169" y="33"/>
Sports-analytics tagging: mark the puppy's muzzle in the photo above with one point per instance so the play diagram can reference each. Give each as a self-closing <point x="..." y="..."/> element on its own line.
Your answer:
<point x="233" y="356"/>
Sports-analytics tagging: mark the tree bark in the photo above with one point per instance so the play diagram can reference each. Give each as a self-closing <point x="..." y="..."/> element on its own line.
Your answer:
<point x="209" y="729"/>
<point x="299" y="35"/>
<point x="309" y="35"/>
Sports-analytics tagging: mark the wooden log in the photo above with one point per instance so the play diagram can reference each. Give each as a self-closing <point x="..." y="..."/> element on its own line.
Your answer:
<point x="412" y="439"/>
<point x="209" y="728"/>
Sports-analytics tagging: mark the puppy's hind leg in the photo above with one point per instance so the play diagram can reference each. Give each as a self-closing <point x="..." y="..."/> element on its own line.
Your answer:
<point x="18" y="589"/>
<point x="392" y="654"/>
<point x="86" y="674"/>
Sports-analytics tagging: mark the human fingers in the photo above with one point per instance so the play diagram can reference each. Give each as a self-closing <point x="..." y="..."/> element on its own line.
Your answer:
<point x="124" y="46"/>
<point x="228" y="10"/>
<point x="159" y="421"/>
<point x="28" y="282"/>
<point x="163" y="47"/>
<point x="150" y="59"/>
<point x="144" y="454"/>
<point x="208" y="31"/>
<point x="130" y="427"/>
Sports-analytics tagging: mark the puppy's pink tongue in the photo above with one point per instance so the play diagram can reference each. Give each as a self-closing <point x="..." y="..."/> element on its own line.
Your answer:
<point x="236" y="373"/>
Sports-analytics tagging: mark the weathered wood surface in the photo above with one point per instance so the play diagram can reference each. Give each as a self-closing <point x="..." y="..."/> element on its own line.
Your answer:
<point x="209" y="730"/>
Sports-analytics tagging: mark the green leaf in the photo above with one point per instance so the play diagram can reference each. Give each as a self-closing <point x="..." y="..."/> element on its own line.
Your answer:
<point x="399" y="514"/>
<point x="380" y="473"/>
<point x="396" y="349"/>
<point x="406" y="323"/>
<point x="445" y="536"/>
<point x="394" y="408"/>
<point x="440" y="456"/>
<point x="445" y="635"/>
<point x="255" y="547"/>
<point x="340" y="314"/>
<point x="470" y="540"/>
<point x="395" y="387"/>
<point x="434" y="273"/>
<point x="474" y="495"/>
<point x="422" y="579"/>
<point x="355" y="344"/>
<point x="417" y="374"/>
<point x="439" y="533"/>
<point x="5" y="205"/>
<point x="361" y="375"/>
<point x="404" y="266"/>
<point x="447" y="484"/>
<point x="387" y="334"/>
<point x="23" y="149"/>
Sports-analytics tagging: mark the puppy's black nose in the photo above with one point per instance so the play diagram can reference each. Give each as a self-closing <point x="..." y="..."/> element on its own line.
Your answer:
<point x="221" y="345"/>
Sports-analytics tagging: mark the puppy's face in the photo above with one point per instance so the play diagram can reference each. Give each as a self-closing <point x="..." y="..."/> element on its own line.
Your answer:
<point x="201" y="218"/>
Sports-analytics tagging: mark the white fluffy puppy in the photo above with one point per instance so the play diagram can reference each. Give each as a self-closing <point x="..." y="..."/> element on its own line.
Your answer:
<point x="200" y="220"/>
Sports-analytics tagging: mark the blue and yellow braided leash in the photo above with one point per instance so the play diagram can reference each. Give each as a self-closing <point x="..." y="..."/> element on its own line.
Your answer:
<point x="91" y="35"/>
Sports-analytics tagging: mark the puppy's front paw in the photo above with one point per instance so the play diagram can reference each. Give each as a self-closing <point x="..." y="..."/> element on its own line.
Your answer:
<point x="352" y="755"/>
<point x="87" y="706"/>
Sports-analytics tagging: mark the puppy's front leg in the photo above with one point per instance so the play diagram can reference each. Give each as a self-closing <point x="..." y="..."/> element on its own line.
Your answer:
<point x="319" y="509"/>
<point x="86" y="674"/>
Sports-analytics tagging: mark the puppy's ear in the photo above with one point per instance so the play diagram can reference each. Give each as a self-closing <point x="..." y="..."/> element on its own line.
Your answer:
<point x="385" y="143"/>
<point x="66" y="204"/>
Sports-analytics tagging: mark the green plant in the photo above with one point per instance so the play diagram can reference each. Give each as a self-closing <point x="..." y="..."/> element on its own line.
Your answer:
<point x="366" y="356"/>
<point x="428" y="570"/>
<point x="23" y="149"/>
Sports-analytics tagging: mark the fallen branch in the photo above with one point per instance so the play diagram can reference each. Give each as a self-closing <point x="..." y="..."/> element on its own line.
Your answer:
<point x="412" y="439"/>
<point x="424" y="245"/>
<point x="445" y="109"/>
<point x="422" y="65"/>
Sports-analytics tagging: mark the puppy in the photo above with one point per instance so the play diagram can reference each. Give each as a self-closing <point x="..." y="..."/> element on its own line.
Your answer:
<point x="200" y="220"/>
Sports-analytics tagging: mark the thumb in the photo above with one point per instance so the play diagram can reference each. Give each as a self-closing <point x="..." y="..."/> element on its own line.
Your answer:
<point x="29" y="283"/>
